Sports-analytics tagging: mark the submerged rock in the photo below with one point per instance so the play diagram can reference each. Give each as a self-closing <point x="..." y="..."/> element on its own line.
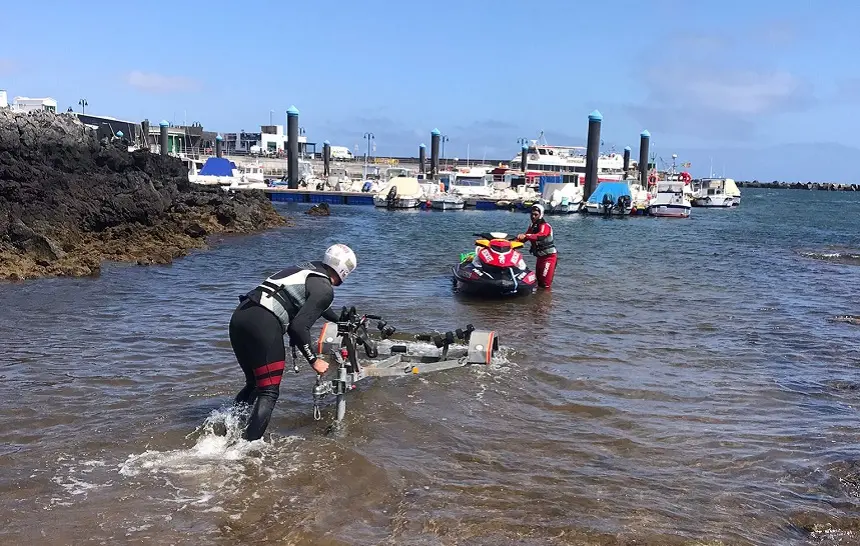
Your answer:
<point x="320" y="209"/>
<point x="69" y="202"/>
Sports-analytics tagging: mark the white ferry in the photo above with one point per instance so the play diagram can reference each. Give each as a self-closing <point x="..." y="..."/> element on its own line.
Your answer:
<point x="569" y="159"/>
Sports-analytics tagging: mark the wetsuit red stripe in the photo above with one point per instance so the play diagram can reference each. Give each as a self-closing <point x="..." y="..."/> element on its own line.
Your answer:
<point x="269" y="374"/>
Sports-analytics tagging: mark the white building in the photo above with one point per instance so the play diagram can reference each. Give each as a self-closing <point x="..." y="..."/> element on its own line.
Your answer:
<point x="271" y="140"/>
<point x="26" y="104"/>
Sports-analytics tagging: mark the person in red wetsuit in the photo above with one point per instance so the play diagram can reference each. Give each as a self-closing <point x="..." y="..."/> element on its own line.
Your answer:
<point x="542" y="246"/>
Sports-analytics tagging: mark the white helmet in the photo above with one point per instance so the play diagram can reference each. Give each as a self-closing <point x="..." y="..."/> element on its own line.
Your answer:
<point x="341" y="259"/>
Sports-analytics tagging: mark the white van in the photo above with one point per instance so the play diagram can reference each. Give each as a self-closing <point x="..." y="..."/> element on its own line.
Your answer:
<point x="341" y="152"/>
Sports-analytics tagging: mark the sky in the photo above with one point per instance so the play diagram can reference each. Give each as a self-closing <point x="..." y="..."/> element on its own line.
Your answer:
<point x="753" y="89"/>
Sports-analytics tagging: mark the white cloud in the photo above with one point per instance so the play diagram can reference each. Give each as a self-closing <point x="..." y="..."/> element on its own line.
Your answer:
<point x="712" y="85"/>
<point x="737" y="92"/>
<point x="159" y="83"/>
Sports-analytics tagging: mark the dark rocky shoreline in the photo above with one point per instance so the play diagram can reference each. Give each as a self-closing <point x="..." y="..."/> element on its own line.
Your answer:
<point x="68" y="202"/>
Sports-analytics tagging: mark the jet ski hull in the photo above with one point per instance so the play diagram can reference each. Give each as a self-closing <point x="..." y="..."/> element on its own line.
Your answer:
<point x="496" y="284"/>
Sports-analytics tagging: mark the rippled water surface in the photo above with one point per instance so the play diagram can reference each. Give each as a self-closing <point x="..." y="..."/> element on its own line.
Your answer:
<point x="681" y="384"/>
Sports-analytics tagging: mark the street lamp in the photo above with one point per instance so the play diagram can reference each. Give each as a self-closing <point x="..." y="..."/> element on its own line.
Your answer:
<point x="83" y="104"/>
<point x="368" y="137"/>
<point x="443" y="139"/>
<point x="522" y="141"/>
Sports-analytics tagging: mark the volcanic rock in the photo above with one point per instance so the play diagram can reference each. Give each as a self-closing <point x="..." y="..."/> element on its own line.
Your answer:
<point x="68" y="201"/>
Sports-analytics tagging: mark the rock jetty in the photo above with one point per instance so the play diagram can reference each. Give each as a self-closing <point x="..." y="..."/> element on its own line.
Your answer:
<point x="68" y="201"/>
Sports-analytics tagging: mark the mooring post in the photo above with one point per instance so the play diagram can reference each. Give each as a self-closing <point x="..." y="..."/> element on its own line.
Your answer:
<point x="326" y="157"/>
<point x="434" y="152"/>
<point x="219" y="146"/>
<point x="293" y="144"/>
<point x="422" y="150"/>
<point x="644" y="144"/>
<point x="626" y="160"/>
<point x="592" y="153"/>
<point x="163" y="140"/>
<point x="524" y="158"/>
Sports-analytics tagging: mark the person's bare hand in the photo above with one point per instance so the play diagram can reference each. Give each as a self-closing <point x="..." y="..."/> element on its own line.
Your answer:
<point x="320" y="366"/>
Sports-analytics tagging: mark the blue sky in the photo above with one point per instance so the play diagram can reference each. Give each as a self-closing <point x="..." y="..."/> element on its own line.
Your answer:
<point x="765" y="89"/>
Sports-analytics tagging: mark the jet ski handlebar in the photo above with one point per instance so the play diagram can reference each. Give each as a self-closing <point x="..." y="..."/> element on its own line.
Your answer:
<point x="495" y="235"/>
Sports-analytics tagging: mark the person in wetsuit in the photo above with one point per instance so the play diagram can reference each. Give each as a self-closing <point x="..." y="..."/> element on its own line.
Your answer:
<point x="542" y="246"/>
<point x="288" y="302"/>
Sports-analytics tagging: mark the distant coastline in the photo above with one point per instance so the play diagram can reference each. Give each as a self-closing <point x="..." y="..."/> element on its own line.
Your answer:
<point x="820" y="186"/>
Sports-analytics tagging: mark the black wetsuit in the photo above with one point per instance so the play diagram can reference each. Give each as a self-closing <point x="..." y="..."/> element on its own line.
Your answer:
<point x="256" y="334"/>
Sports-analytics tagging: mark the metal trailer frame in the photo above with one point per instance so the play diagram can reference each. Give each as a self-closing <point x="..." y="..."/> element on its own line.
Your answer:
<point x="457" y="349"/>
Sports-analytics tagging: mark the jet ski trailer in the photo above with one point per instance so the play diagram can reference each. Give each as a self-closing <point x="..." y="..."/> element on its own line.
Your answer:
<point x="456" y="349"/>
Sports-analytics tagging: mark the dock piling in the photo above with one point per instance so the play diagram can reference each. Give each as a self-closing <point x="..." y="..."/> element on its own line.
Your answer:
<point x="293" y="145"/>
<point x="219" y="145"/>
<point x="626" y="160"/>
<point x="592" y="153"/>
<point x="422" y="150"/>
<point x="644" y="144"/>
<point x="435" y="135"/>
<point x="326" y="157"/>
<point x="163" y="140"/>
<point x="524" y="158"/>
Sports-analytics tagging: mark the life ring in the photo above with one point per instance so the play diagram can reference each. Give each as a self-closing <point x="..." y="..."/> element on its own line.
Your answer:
<point x="685" y="176"/>
<point x="652" y="179"/>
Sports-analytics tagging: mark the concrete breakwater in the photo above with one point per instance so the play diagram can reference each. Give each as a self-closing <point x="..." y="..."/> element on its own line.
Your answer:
<point x="824" y="186"/>
<point x="69" y="201"/>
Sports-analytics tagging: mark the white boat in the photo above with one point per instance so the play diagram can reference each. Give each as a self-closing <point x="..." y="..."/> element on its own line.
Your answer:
<point x="471" y="182"/>
<point x="610" y="198"/>
<point x="670" y="200"/>
<point x="394" y="172"/>
<point x="447" y="201"/>
<point x="562" y="198"/>
<point x="338" y="179"/>
<point x="403" y="192"/>
<point x="307" y="178"/>
<point x="716" y="193"/>
<point x="223" y="172"/>
<point x="251" y="173"/>
<point x="568" y="159"/>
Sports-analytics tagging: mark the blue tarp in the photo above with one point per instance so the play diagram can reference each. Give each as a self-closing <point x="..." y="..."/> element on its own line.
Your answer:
<point x="545" y="179"/>
<point x="614" y="189"/>
<point x="217" y="166"/>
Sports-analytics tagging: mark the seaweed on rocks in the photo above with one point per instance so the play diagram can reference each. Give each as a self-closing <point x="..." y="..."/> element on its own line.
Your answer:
<point x="68" y="201"/>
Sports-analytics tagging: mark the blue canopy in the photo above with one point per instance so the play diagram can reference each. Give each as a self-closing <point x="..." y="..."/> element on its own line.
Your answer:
<point x="614" y="189"/>
<point x="217" y="166"/>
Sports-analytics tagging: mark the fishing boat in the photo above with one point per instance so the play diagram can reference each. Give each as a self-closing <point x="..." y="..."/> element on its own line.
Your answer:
<point x="403" y="192"/>
<point x="716" y="193"/>
<point x="670" y="200"/>
<point x="447" y="201"/>
<point x="610" y="199"/>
